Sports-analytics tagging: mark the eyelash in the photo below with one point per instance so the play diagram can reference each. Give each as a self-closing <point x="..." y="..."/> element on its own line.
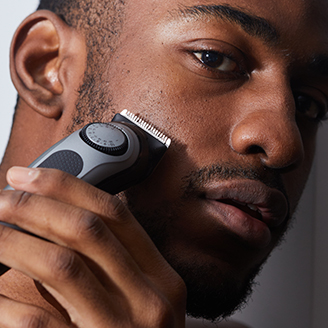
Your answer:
<point x="237" y="72"/>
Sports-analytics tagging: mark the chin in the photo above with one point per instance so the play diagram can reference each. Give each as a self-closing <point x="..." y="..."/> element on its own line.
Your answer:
<point x="214" y="291"/>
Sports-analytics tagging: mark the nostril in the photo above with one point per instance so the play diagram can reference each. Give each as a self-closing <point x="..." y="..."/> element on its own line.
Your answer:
<point x="255" y="149"/>
<point x="277" y="145"/>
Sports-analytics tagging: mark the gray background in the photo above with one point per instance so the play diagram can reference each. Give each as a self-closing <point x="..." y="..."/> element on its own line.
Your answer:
<point x="293" y="289"/>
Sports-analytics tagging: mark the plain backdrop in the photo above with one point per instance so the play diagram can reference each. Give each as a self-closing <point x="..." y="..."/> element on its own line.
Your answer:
<point x="292" y="290"/>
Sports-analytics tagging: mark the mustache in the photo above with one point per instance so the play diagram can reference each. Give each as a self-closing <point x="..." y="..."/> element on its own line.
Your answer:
<point x="197" y="179"/>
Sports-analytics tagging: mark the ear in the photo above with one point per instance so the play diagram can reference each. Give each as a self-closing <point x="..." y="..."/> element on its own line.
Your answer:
<point x="47" y="62"/>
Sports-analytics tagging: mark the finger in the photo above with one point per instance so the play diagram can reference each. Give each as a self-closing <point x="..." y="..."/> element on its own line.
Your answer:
<point x="68" y="189"/>
<point x="14" y="314"/>
<point x="63" y="273"/>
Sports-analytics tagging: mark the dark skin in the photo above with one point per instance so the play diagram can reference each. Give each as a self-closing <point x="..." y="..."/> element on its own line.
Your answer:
<point x="238" y="111"/>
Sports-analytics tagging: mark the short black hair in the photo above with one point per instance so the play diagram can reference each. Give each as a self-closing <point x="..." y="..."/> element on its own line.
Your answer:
<point x="99" y="20"/>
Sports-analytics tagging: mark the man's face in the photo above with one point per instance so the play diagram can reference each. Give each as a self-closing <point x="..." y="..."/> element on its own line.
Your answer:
<point x="240" y="89"/>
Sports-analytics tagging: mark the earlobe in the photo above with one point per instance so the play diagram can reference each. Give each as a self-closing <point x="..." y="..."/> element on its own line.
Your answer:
<point x="39" y="54"/>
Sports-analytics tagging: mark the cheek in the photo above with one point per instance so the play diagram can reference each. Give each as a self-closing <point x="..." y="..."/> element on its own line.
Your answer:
<point x="198" y="126"/>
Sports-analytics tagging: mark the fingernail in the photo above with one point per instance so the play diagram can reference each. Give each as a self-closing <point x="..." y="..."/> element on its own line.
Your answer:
<point x="18" y="174"/>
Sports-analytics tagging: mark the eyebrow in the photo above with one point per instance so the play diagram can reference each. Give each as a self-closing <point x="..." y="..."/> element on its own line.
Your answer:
<point x="251" y="24"/>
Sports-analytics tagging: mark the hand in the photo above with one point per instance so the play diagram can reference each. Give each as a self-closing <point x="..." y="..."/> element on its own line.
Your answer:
<point x="95" y="259"/>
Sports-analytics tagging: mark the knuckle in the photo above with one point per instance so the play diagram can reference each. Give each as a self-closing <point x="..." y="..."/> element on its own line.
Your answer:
<point x="160" y="313"/>
<point x="115" y="209"/>
<point x="35" y="319"/>
<point x="50" y="180"/>
<point x="18" y="199"/>
<point x="61" y="177"/>
<point x="65" y="265"/>
<point x="89" y="226"/>
<point x="54" y="178"/>
<point x="101" y="197"/>
<point x="5" y="234"/>
<point x="118" y="211"/>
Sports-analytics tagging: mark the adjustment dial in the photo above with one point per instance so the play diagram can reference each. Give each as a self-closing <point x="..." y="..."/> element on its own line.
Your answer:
<point x="106" y="138"/>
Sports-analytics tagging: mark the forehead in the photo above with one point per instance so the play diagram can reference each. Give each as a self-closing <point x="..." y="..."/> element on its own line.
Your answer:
<point x="296" y="22"/>
<point x="298" y="11"/>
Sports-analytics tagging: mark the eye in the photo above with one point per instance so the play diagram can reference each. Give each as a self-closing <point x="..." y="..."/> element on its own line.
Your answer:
<point x="311" y="108"/>
<point x="216" y="60"/>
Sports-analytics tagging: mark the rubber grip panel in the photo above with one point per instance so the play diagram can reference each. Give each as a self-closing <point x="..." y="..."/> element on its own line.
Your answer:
<point x="64" y="160"/>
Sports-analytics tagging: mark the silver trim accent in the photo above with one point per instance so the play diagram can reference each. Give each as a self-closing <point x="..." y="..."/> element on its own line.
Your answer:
<point x="147" y="127"/>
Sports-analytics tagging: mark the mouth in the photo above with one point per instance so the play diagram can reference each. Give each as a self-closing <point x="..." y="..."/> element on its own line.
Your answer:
<point x="248" y="209"/>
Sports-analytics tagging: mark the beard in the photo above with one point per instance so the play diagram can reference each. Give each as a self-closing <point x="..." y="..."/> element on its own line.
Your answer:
<point x="212" y="293"/>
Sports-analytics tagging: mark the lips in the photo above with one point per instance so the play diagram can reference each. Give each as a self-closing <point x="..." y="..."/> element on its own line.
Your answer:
<point x="248" y="209"/>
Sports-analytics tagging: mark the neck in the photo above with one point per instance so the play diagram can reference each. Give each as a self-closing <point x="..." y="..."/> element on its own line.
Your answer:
<point x="31" y="135"/>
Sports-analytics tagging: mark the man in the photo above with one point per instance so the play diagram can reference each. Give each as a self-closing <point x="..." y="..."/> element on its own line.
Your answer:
<point x="239" y="86"/>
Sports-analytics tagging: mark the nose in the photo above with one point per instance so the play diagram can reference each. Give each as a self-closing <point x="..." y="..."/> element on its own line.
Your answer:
<point x="269" y="130"/>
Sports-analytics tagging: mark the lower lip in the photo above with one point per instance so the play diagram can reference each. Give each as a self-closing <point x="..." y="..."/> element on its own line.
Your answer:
<point x="252" y="231"/>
